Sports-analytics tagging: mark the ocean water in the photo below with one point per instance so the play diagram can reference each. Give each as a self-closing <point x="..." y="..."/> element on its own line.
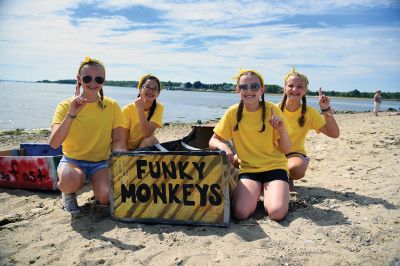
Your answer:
<point x="31" y="105"/>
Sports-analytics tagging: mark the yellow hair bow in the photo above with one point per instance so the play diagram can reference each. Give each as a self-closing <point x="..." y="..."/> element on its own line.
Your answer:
<point x="295" y="73"/>
<point x="242" y="71"/>
<point x="144" y="77"/>
<point x="88" y="60"/>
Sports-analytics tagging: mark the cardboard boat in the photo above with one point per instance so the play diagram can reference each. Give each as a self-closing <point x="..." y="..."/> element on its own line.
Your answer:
<point x="32" y="166"/>
<point x="177" y="182"/>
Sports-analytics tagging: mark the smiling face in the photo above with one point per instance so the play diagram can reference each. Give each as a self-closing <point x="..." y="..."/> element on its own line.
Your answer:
<point x="295" y="88"/>
<point x="149" y="90"/>
<point x="250" y="89"/>
<point x="92" y="78"/>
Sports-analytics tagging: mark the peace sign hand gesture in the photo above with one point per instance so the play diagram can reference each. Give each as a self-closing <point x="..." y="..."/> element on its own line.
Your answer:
<point x="324" y="101"/>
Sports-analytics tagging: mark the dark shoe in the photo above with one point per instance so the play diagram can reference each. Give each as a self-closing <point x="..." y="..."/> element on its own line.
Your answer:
<point x="70" y="204"/>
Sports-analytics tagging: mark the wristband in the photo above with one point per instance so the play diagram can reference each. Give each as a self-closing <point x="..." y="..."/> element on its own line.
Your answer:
<point x="71" y="116"/>
<point x="326" y="110"/>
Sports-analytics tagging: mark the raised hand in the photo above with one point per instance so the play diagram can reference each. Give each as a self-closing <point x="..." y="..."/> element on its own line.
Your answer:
<point x="139" y="103"/>
<point x="324" y="101"/>
<point x="77" y="104"/>
<point x="275" y="121"/>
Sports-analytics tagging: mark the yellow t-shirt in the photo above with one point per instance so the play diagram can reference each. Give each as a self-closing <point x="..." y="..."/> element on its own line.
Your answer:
<point x="313" y="120"/>
<point x="89" y="137"/>
<point x="135" y="131"/>
<point x="257" y="151"/>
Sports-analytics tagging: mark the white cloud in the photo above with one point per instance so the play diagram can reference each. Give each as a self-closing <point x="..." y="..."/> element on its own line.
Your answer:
<point x="42" y="41"/>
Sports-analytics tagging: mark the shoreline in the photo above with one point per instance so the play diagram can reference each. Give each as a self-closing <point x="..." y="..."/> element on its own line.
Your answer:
<point x="17" y="131"/>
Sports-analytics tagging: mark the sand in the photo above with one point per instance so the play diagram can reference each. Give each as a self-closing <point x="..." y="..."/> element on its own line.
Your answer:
<point x="346" y="212"/>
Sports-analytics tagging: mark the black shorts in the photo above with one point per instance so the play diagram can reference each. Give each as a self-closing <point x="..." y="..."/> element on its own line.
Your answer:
<point x="267" y="176"/>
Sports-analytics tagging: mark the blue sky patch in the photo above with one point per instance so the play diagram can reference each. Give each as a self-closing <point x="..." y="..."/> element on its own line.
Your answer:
<point x="136" y="13"/>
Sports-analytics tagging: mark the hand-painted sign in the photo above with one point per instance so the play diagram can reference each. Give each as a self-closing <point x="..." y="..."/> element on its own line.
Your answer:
<point x="189" y="187"/>
<point x="29" y="172"/>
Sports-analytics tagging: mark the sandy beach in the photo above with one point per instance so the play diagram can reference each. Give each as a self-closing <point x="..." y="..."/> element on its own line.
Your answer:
<point x="346" y="212"/>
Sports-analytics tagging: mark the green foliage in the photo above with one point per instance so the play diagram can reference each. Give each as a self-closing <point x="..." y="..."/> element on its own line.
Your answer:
<point x="358" y="94"/>
<point x="188" y="85"/>
<point x="274" y="89"/>
<point x="18" y="131"/>
<point x="197" y="85"/>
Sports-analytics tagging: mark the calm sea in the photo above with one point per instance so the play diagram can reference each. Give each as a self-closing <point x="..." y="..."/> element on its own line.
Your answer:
<point x="31" y="105"/>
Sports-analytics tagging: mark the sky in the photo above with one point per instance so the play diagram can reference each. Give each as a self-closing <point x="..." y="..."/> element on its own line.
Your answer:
<point x="340" y="45"/>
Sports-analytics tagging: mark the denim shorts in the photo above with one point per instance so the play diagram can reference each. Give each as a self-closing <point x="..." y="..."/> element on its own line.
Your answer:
<point x="267" y="176"/>
<point x="89" y="168"/>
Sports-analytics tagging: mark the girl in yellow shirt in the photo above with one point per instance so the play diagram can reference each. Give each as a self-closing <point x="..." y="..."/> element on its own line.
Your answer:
<point x="144" y="115"/>
<point x="259" y="134"/>
<point x="88" y="126"/>
<point x="303" y="118"/>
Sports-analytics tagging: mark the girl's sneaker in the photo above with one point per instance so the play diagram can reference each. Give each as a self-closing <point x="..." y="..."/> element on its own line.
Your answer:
<point x="70" y="203"/>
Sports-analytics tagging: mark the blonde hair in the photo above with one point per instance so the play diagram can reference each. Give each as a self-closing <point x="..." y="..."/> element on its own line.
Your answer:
<point x="293" y="72"/>
<point x="91" y="61"/>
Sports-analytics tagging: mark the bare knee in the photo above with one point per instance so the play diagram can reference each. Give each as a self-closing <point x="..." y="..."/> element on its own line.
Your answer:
<point x="101" y="186"/>
<point x="297" y="167"/>
<point x="277" y="213"/>
<point x="70" y="180"/>
<point x="241" y="213"/>
<point x="296" y="172"/>
<point x="103" y="199"/>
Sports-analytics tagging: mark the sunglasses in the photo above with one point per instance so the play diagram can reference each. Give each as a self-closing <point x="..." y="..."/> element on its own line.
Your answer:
<point x="155" y="89"/>
<point x="88" y="79"/>
<point x="253" y="87"/>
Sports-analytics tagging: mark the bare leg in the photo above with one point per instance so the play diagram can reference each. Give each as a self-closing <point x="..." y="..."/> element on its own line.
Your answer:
<point x="297" y="169"/>
<point x="101" y="186"/>
<point x="70" y="178"/>
<point x="245" y="198"/>
<point x="276" y="199"/>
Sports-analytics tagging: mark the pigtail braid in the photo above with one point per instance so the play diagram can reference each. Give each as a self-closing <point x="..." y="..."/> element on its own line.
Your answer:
<point x="283" y="103"/>
<point x="101" y="102"/>
<point x="239" y="115"/>
<point x="263" y="113"/>
<point x="152" y="109"/>
<point x="303" y="111"/>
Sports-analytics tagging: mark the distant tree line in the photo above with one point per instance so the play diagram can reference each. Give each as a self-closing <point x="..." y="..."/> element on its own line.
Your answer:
<point x="229" y="87"/>
<point x="358" y="94"/>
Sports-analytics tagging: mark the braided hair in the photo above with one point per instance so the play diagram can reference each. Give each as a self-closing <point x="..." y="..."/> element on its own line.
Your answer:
<point x="141" y="82"/>
<point x="239" y="113"/>
<point x="303" y="111"/>
<point x="264" y="113"/>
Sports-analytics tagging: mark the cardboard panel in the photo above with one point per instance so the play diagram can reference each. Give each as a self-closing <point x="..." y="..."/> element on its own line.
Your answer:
<point x="29" y="172"/>
<point x="199" y="136"/>
<point x="39" y="149"/>
<point x="170" y="187"/>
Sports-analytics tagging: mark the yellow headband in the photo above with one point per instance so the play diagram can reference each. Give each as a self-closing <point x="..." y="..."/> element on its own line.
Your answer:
<point x="242" y="71"/>
<point x="295" y="73"/>
<point x="142" y="78"/>
<point x="89" y="60"/>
